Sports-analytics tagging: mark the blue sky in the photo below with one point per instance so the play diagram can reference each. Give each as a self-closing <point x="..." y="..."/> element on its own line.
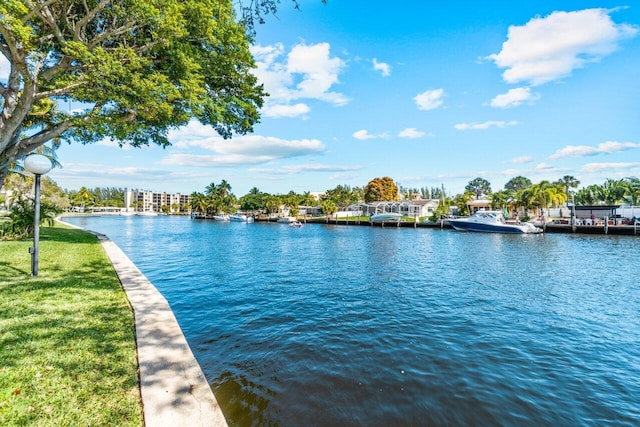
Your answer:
<point x="427" y="93"/>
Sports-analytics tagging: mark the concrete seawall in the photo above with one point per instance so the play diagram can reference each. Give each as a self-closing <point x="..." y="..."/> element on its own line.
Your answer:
<point x="173" y="388"/>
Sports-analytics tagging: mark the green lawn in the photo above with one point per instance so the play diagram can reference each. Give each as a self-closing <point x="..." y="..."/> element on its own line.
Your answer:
<point x="67" y="342"/>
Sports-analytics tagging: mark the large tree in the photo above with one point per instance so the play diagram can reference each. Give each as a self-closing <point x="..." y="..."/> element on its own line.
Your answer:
<point x="479" y="186"/>
<point x="381" y="190"/>
<point x="132" y="69"/>
<point x="517" y="183"/>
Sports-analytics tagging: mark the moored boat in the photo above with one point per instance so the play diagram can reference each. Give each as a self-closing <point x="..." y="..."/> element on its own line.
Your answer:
<point x="239" y="217"/>
<point x="287" y="220"/>
<point x="223" y="218"/>
<point x="386" y="216"/>
<point x="492" y="222"/>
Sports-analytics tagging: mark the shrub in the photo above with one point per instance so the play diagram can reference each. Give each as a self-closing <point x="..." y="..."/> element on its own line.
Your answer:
<point x="20" y="224"/>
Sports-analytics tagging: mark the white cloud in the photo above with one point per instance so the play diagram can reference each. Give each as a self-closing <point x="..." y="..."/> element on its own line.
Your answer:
<point x="282" y="110"/>
<point x="307" y="72"/>
<point x="108" y="142"/>
<point x="241" y="150"/>
<point x="430" y="99"/>
<point x="363" y="135"/>
<point x="297" y="169"/>
<point x="585" y="150"/>
<point x="485" y="125"/>
<point x="411" y="133"/>
<point x="522" y="159"/>
<point x="597" y="167"/>
<point x="514" y="98"/>
<point x="100" y="170"/>
<point x="550" y="48"/>
<point x="383" y="67"/>
<point x="543" y="167"/>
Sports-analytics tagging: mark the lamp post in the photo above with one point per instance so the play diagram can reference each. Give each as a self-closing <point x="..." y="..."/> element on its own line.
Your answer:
<point x="38" y="165"/>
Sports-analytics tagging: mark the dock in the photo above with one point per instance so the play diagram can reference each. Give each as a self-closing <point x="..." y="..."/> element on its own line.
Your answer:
<point x="549" y="227"/>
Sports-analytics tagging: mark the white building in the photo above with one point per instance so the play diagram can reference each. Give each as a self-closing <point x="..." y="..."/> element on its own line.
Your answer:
<point x="149" y="201"/>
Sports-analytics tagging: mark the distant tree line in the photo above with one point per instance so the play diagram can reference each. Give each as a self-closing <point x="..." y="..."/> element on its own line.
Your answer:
<point x="518" y="192"/>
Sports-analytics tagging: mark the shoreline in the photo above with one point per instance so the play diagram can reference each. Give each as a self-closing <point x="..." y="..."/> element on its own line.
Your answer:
<point x="549" y="227"/>
<point x="173" y="388"/>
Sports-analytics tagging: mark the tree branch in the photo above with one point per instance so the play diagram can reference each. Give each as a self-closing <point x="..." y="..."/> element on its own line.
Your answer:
<point x="59" y="91"/>
<point x="26" y="145"/>
<point x="48" y="17"/>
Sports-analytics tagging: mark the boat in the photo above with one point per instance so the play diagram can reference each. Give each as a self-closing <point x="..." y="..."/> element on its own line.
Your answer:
<point x="386" y="217"/>
<point x="295" y="224"/>
<point x="491" y="222"/>
<point x="287" y="220"/>
<point x="223" y="218"/>
<point x="238" y="217"/>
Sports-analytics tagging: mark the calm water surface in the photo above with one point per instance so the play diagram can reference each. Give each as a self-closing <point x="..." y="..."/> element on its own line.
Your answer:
<point x="351" y="326"/>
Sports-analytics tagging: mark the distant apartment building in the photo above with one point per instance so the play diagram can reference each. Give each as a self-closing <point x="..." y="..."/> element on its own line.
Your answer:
<point x="148" y="201"/>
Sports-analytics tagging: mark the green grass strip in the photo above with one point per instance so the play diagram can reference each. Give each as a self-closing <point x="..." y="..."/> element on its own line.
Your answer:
<point x="67" y="341"/>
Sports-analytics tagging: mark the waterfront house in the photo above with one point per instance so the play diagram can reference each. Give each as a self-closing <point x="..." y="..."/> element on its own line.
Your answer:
<point x="411" y="208"/>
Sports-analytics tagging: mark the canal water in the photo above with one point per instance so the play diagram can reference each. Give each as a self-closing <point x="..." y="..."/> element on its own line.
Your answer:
<point x="367" y="326"/>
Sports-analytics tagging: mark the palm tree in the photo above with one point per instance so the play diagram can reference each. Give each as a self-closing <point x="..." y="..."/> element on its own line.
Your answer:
<point x="544" y="195"/>
<point x="500" y="199"/>
<point x="272" y="203"/>
<point x="568" y="182"/>
<point x="211" y="189"/>
<point x="328" y="207"/>
<point x="198" y="202"/>
<point x="84" y="197"/>
<point x="632" y="190"/>
<point x="223" y="189"/>
<point x="589" y="195"/>
<point x="614" y="191"/>
<point x="461" y="201"/>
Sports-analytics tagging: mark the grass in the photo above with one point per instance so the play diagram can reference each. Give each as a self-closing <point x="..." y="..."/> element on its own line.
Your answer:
<point x="67" y="342"/>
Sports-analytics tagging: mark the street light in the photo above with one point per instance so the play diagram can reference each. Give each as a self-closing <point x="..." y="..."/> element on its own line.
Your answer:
<point x="38" y="165"/>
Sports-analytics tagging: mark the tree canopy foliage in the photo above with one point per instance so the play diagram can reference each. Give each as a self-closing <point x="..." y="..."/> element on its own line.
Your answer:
<point x="135" y="68"/>
<point x="517" y="183"/>
<point x="479" y="186"/>
<point x="381" y="189"/>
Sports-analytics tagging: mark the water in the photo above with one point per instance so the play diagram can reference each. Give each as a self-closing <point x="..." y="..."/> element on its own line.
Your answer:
<point x="351" y="326"/>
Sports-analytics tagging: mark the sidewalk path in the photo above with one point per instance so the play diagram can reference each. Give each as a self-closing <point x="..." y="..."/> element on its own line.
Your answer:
<point x="174" y="390"/>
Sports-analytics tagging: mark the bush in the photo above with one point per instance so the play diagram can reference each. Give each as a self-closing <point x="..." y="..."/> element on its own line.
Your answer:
<point x="20" y="224"/>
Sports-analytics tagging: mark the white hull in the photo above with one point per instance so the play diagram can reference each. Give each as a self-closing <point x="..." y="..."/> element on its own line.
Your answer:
<point x="286" y="220"/>
<point x="384" y="217"/>
<point x="240" y="218"/>
<point x="492" y="222"/>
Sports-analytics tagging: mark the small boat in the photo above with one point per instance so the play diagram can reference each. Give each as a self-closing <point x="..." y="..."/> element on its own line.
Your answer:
<point x="287" y="220"/>
<point x="492" y="222"/>
<point x="238" y="217"/>
<point x="222" y="218"/>
<point x="386" y="217"/>
<point x="295" y="224"/>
